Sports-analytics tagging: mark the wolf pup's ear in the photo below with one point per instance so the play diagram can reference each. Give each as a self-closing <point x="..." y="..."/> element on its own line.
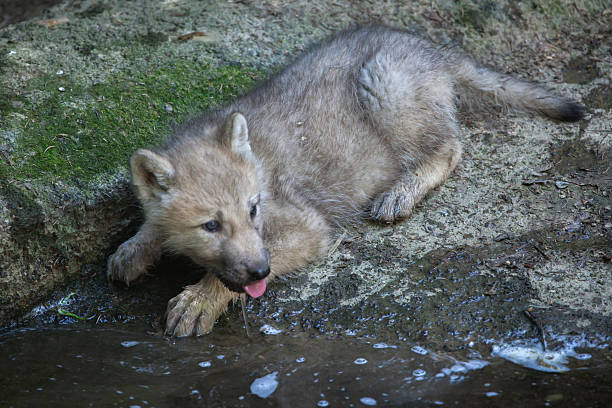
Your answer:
<point x="152" y="175"/>
<point x="236" y="136"/>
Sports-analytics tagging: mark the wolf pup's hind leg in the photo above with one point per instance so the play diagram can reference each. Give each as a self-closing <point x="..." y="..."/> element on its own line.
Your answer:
<point x="409" y="98"/>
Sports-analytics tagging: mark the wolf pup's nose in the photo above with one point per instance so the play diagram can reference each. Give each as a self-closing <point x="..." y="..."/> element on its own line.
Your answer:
<point x="258" y="272"/>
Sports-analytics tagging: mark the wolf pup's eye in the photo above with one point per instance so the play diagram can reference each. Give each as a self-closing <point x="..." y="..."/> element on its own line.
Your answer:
<point x="212" y="226"/>
<point x="253" y="211"/>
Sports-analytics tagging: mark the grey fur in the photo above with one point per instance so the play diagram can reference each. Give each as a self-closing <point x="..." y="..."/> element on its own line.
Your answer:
<point x="365" y="120"/>
<point x="366" y="109"/>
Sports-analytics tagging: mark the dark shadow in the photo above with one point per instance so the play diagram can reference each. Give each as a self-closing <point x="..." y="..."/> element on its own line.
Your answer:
<point x="14" y="11"/>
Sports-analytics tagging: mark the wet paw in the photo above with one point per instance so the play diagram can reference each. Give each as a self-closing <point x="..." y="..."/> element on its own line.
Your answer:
<point x="131" y="260"/>
<point x="190" y="312"/>
<point x="392" y="205"/>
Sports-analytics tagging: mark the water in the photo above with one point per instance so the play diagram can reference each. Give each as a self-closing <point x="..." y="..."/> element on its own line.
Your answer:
<point x="71" y="366"/>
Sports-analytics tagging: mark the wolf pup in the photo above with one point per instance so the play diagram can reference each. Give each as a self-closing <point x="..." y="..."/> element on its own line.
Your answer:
<point x="363" y="122"/>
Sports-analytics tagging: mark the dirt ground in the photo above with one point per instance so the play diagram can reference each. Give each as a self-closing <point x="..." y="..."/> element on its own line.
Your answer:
<point x="524" y="222"/>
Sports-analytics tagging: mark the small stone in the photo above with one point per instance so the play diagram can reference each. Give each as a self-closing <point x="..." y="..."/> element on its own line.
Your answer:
<point x="168" y="108"/>
<point x="61" y="89"/>
<point x="501" y="237"/>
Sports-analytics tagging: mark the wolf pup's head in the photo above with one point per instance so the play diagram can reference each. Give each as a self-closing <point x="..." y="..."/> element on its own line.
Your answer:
<point x="203" y="196"/>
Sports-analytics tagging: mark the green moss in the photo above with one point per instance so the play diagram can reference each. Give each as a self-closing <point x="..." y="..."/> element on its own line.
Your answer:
<point x="80" y="133"/>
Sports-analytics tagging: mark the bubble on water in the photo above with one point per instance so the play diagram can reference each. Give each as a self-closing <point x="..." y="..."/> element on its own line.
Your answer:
<point x="360" y="361"/>
<point x="300" y="360"/>
<point x="368" y="401"/>
<point x="530" y="354"/>
<point x="322" y="403"/>
<point x="492" y="394"/>
<point x="419" y="350"/>
<point x="533" y="357"/>
<point x="270" y="330"/>
<point x="220" y="357"/>
<point x="383" y="346"/>
<point x="204" y="364"/>
<point x="419" y="372"/>
<point x="438" y="402"/>
<point x="128" y="344"/>
<point x="475" y="364"/>
<point x="264" y="386"/>
<point x="459" y="368"/>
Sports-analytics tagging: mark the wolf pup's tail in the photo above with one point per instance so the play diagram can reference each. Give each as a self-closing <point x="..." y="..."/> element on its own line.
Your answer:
<point x="478" y="84"/>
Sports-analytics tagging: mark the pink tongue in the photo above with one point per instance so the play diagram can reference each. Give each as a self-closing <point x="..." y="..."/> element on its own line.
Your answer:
<point x="256" y="289"/>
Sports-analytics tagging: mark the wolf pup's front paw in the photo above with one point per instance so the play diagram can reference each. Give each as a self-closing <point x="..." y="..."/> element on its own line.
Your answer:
<point x="132" y="259"/>
<point x="191" y="312"/>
